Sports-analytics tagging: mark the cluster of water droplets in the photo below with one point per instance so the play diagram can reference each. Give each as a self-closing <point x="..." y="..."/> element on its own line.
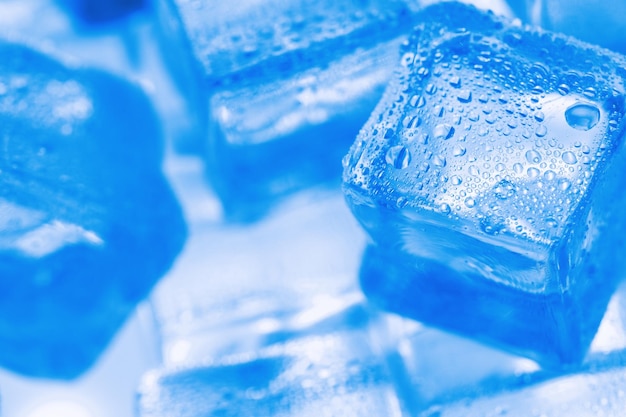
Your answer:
<point x="229" y="39"/>
<point x="480" y="131"/>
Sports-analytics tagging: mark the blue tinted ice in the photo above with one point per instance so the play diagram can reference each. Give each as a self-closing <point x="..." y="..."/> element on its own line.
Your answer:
<point x="88" y="223"/>
<point x="491" y="171"/>
<point x="332" y="373"/>
<point x="594" y="21"/>
<point x="283" y="87"/>
<point x="101" y="11"/>
<point x="237" y="289"/>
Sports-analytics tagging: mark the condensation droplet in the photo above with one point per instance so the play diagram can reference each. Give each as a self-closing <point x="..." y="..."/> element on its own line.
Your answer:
<point x="504" y="190"/>
<point x="458" y="150"/>
<point x="533" y="156"/>
<point x="569" y="158"/>
<point x="541" y="131"/>
<point x="465" y="96"/>
<point x="398" y="156"/>
<point x="443" y="131"/>
<point x="582" y="116"/>
<point x="532" y="172"/>
<point x="439" y="161"/>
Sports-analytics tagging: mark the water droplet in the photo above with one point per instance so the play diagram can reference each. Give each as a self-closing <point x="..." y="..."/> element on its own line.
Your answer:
<point x="582" y="116"/>
<point x="541" y="131"/>
<point x="549" y="175"/>
<point x="398" y="156"/>
<point x="551" y="222"/>
<point x="532" y="172"/>
<point x="439" y="161"/>
<point x="473" y="170"/>
<point x="456" y="180"/>
<point x="425" y="166"/>
<point x="563" y="89"/>
<point x="504" y="190"/>
<point x="590" y="92"/>
<point x="445" y="208"/>
<point x="443" y="131"/>
<point x="569" y="158"/>
<point x="417" y="101"/>
<point x="455" y="82"/>
<point x="564" y="184"/>
<point x="458" y="150"/>
<point x="411" y="122"/>
<point x="537" y="90"/>
<point x="438" y="111"/>
<point x="465" y="96"/>
<point x="539" y="116"/>
<point x="518" y="168"/>
<point x="533" y="156"/>
<point x="470" y="202"/>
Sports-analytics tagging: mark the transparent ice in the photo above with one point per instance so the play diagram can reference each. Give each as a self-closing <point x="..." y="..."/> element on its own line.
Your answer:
<point x="88" y="223"/>
<point x="327" y="370"/>
<point x="491" y="170"/>
<point x="281" y="86"/>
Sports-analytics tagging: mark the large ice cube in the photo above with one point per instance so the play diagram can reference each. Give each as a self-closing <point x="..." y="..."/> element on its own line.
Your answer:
<point x="282" y="85"/>
<point x="88" y="223"/>
<point x="493" y="161"/>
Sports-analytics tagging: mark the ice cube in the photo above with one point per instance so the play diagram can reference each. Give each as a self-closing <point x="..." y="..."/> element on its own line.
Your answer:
<point x="491" y="171"/>
<point x="316" y="374"/>
<point x="88" y="223"/>
<point x="283" y="87"/>
<point x="236" y="287"/>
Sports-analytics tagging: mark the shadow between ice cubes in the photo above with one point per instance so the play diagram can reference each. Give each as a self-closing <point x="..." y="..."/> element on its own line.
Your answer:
<point x="88" y="221"/>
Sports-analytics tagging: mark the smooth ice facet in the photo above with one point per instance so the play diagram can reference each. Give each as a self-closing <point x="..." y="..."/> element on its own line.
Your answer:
<point x="88" y="222"/>
<point x="492" y="166"/>
<point x="281" y="86"/>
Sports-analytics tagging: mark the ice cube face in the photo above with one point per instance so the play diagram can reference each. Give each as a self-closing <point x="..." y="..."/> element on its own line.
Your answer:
<point x="280" y="78"/>
<point x="88" y="221"/>
<point x="327" y="374"/>
<point x="489" y="143"/>
<point x="490" y="172"/>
